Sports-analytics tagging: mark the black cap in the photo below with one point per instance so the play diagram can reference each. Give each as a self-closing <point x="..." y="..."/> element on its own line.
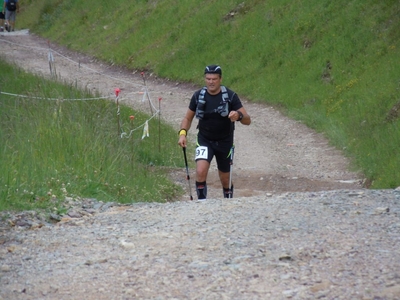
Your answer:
<point x="213" y="69"/>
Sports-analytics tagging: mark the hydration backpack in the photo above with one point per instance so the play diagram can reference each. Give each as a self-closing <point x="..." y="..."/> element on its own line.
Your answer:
<point x="223" y="109"/>
<point x="11" y="5"/>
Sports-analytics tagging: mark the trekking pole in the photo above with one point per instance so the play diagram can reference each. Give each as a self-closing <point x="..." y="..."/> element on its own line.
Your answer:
<point x="231" y="162"/>
<point x="230" y="171"/>
<point x="187" y="172"/>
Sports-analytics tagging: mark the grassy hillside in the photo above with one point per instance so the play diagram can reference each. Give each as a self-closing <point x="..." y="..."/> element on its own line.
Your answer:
<point x="58" y="142"/>
<point x="332" y="64"/>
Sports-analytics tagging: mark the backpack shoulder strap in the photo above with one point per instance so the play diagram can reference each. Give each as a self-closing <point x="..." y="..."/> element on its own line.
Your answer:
<point x="202" y="93"/>
<point x="200" y="101"/>
<point x="225" y="96"/>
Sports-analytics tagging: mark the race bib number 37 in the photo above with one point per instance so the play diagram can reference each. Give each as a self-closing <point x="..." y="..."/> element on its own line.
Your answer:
<point x="201" y="152"/>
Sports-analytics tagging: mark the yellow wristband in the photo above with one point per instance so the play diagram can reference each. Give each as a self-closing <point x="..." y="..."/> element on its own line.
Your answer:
<point x="183" y="132"/>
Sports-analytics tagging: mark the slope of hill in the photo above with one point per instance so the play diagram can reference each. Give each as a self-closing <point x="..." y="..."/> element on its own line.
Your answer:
<point x="332" y="65"/>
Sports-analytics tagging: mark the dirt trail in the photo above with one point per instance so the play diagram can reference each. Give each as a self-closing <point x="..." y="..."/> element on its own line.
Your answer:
<point x="326" y="240"/>
<point x="274" y="154"/>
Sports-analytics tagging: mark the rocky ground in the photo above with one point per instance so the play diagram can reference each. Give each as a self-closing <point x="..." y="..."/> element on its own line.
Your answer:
<point x="301" y="225"/>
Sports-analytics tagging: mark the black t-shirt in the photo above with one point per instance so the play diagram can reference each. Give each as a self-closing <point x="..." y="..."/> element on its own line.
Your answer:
<point x="213" y="126"/>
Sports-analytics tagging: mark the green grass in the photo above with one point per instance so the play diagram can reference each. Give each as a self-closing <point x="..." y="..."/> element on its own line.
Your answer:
<point x="52" y="149"/>
<point x="275" y="52"/>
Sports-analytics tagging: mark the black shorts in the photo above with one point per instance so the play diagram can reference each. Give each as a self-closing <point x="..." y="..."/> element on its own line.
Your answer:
<point x="222" y="149"/>
<point x="2" y="16"/>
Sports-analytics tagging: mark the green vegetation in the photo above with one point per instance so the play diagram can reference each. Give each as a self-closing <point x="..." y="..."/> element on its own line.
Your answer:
<point x="332" y="65"/>
<point x="56" y="143"/>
